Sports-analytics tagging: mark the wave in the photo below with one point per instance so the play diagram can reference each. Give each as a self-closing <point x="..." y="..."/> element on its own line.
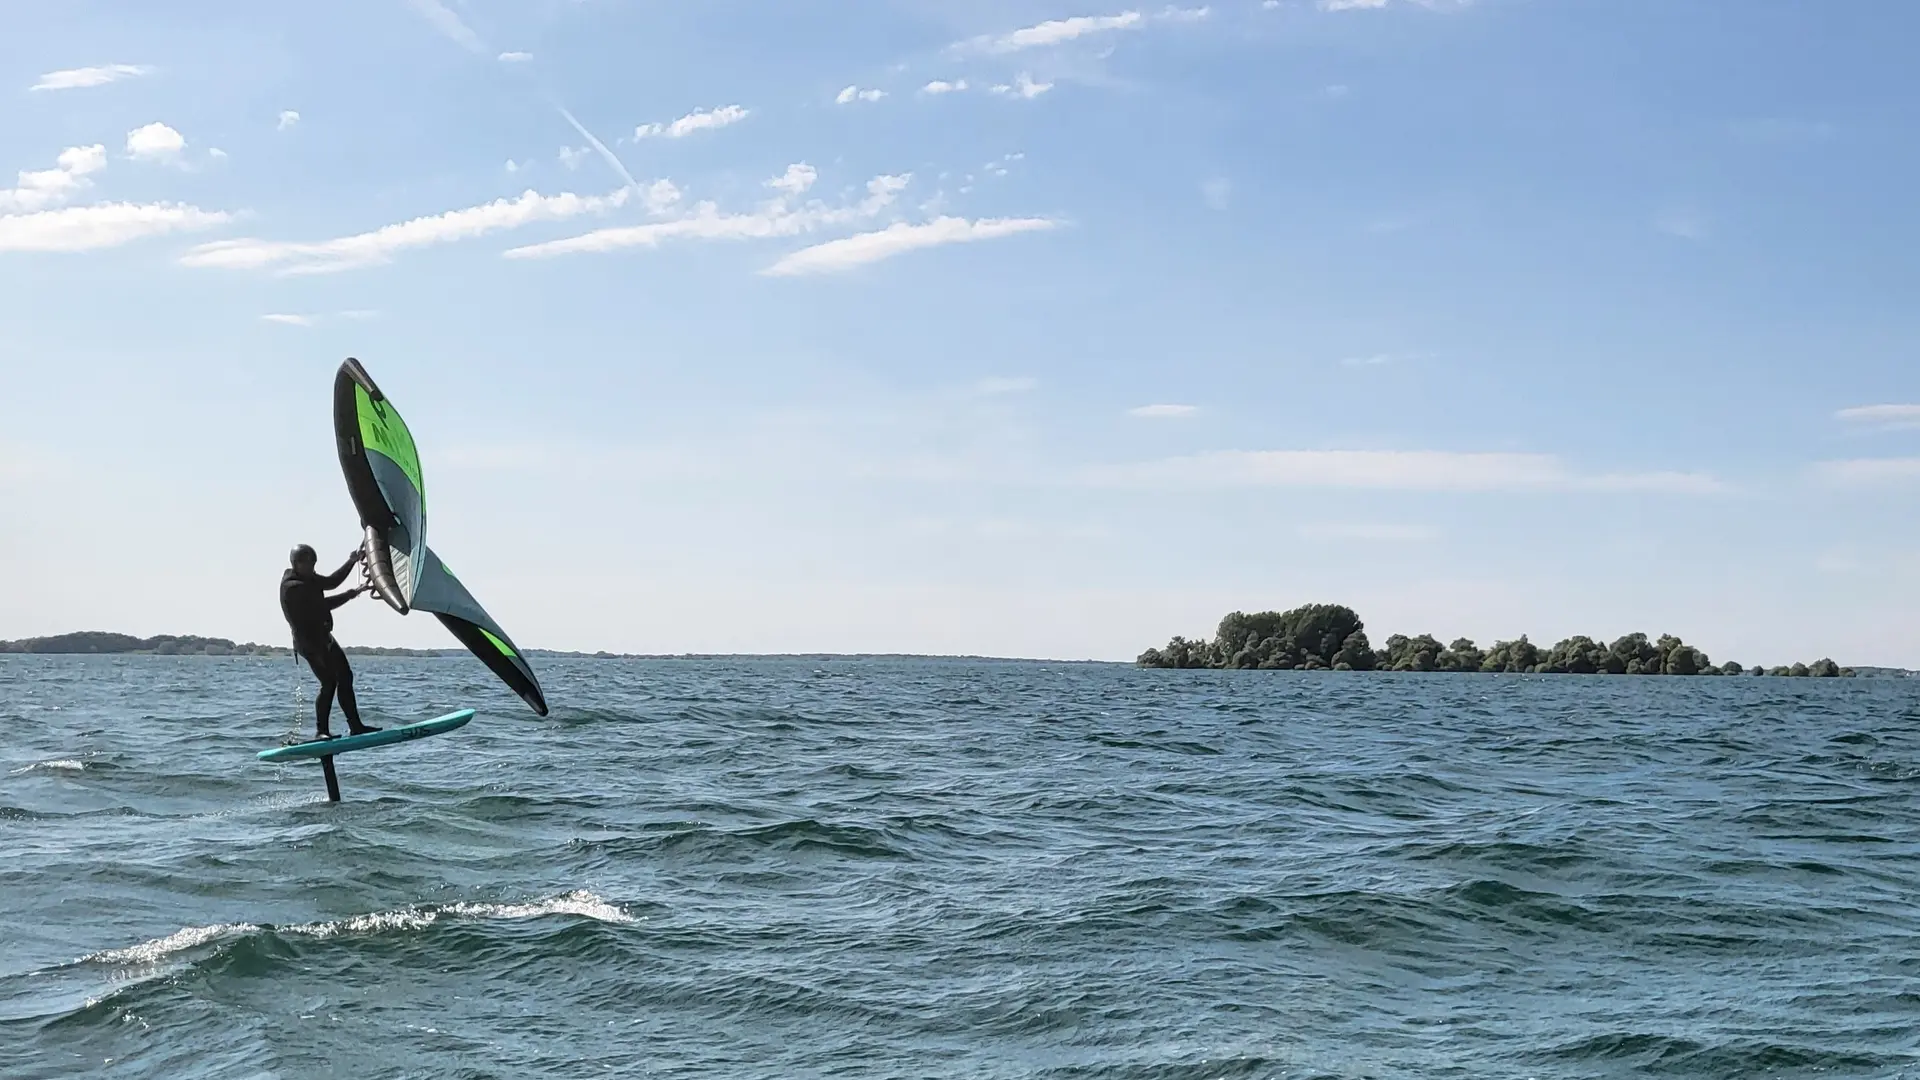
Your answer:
<point x="579" y="903"/>
<point x="58" y="765"/>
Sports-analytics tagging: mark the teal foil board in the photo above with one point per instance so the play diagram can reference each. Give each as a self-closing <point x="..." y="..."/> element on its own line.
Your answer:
<point x="320" y="748"/>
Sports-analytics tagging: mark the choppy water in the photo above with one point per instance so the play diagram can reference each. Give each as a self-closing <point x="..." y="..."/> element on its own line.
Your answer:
<point x="921" y="869"/>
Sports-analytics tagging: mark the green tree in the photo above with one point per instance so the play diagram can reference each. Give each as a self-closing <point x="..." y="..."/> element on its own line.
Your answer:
<point x="1462" y="655"/>
<point x="1519" y="655"/>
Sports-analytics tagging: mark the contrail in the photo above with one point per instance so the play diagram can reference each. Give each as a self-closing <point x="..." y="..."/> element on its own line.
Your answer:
<point x="600" y="146"/>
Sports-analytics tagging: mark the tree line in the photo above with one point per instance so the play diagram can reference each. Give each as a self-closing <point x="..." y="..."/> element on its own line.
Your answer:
<point x="1332" y="637"/>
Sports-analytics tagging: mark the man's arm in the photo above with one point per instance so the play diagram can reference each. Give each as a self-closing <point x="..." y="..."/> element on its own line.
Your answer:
<point x="333" y="580"/>
<point x="334" y="602"/>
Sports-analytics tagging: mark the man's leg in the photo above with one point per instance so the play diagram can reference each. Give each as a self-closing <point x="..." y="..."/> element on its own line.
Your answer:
<point x="343" y="675"/>
<point x="323" y="702"/>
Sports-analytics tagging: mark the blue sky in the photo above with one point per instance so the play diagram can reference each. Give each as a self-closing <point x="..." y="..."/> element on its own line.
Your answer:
<point x="999" y="326"/>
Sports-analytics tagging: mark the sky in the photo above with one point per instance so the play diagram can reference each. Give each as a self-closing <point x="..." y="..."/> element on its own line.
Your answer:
<point x="1009" y="327"/>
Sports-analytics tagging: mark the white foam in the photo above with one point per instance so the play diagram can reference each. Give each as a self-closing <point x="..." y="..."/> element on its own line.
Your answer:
<point x="152" y="952"/>
<point x="372" y="923"/>
<point x="63" y="764"/>
<point x="579" y="902"/>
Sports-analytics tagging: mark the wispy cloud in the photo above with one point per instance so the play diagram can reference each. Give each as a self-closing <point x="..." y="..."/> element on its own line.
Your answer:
<point x="1390" y="470"/>
<point x="1217" y="192"/>
<point x="836" y="256"/>
<point x="695" y="121"/>
<point x="1163" y="412"/>
<point x="1885" y="416"/>
<point x="288" y="118"/>
<point x="942" y="86"/>
<point x="45" y="188"/>
<point x="357" y="315"/>
<point x="515" y="57"/>
<point x="599" y="147"/>
<point x="82" y="78"/>
<point x="853" y="93"/>
<point x="89" y="228"/>
<point x="449" y="24"/>
<point x="381" y="245"/>
<point x="1057" y="32"/>
<point x="781" y="217"/>
<point x="1024" y="87"/>
<point x="1869" y="472"/>
<point x="1180" y="14"/>
<point x="155" y="142"/>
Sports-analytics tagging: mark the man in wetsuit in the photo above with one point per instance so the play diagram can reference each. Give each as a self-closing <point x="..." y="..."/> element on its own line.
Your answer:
<point x="309" y="611"/>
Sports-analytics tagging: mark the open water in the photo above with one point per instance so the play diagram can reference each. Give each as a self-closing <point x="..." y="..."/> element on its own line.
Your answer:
<point x="793" y="869"/>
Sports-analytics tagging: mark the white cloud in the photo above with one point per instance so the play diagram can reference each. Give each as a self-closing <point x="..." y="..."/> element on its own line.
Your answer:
<point x="1389" y="470"/>
<point x="853" y="93"/>
<point x="515" y="57"/>
<point x="796" y="180"/>
<point x="288" y="118"/>
<point x="289" y="320"/>
<point x="778" y="218"/>
<point x="942" y="86"/>
<point x="449" y="24"/>
<point x="1336" y="91"/>
<point x="572" y="156"/>
<point x="1059" y="31"/>
<point x="81" y="78"/>
<point x="897" y="239"/>
<point x="1163" y="412"/>
<point x="51" y="187"/>
<point x="155" y="142"/>
<point x="1901" y="416"/>
<point x="216" y="153"/>
<point x="1023" y="86"/>
<point x="88" y="228"/>
<point x="380" y="245"/>
<point x="1869" y="472"/>
<point x="1180" y="14"/>
<point x="1216" y="192"/>
<point x="697" y="120"/>
<point x="993" y="387"/>
<point x="661" y="196"/>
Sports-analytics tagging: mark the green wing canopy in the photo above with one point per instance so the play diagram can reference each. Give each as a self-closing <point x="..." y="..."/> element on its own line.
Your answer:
<point x="382" y="468"/>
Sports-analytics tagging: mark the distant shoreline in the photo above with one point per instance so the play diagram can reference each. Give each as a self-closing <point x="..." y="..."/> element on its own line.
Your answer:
<point x="1332" y="637"/>
<point x="103" y="643"/>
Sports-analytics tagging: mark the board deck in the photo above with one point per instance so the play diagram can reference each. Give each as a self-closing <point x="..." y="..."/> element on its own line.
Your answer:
<point x="324" y="748"/>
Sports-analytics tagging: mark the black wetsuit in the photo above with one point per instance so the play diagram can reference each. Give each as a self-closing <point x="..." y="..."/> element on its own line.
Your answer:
<point x="309" y="611"/>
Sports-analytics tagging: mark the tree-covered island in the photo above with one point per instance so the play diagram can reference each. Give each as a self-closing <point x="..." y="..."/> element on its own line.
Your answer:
<point x="1332" y="637"/>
